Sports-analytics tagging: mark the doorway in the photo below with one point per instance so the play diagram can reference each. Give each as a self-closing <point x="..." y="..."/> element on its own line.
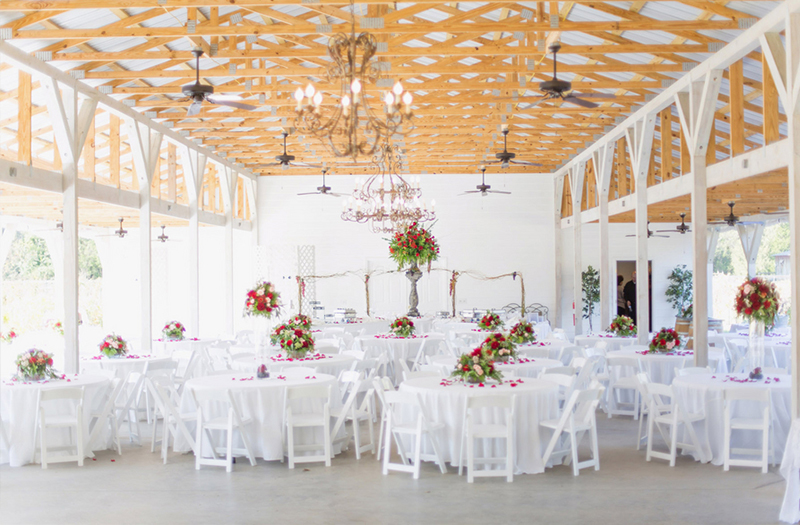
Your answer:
<point x="626" y="269"/>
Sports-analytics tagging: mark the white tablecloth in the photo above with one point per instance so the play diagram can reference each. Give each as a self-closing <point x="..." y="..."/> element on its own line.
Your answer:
<point x="614" y="342"/>
<point x="661" y="367"/>
<point x="18" y="415"/>
<point x="164" y="348"/>
<point x="121" y="365"/>
<point x="261" y="400"/>
<point x="325" y="364"/>
<point x="524" y="367"/>
<point x="537" y="400"/>
<point x="553" y="348"/>
<point x="703" y="394"/>
<point x="395" y="349"/>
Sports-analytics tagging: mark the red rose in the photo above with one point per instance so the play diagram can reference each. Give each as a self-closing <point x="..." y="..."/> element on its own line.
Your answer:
<point x="748" y="311"/>
<point x="767" y="304"/>
<point x="260" y="306"/>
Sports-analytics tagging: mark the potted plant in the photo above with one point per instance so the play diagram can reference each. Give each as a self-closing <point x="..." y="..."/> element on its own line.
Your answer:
<point x="679" y="292"/>
<point x="590" y="280"/>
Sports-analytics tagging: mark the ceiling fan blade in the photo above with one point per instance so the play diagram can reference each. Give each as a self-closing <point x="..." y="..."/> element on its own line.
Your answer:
<point x="580" y="102"/>
<point x="304" y="165"/>
<point x="271" y="164"/>
<point x="498" y="191"/>
<point x="661" y="236"/>
<point x="524" y="163"/>
<point x="194" y="109"/>
<point x="231" y="104"/>
<point x="593" y="95"/>
<point x="468" y="192"/>
<point x="311" y="193"/>
<point x="334" y="194"/>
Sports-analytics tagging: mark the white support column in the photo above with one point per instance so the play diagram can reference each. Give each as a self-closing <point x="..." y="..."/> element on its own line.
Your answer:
<point x="230" y="179"/>
<point x="145" y="147"/>
<point x="251" y="194"/>
<point x="696" y="110"/>
<point x="559" y="193"/>
<point x="603" y="160"/>
<point x="7" y="236"/>
<point x="576" y="176"/>
<point x="194" y="167"/>
<point x="713" y="237"/>
<point x="750" y="236"/>
<point x="640" y="143"/>
<point x="71" y="118"/>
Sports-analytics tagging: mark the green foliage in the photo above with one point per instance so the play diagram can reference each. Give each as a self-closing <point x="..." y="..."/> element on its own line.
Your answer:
<point x="28" y="260"/>
<point x="679" y="291"/>
<point x="89" y="260"/>
<point x="729" y="257"/>
<point x="590" y="280"/>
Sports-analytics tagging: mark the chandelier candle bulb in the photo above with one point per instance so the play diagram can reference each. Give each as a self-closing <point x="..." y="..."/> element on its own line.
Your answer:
<point x="398" y="88"/>
<point x="317" y="99"/>
<point x="309" y="91"/>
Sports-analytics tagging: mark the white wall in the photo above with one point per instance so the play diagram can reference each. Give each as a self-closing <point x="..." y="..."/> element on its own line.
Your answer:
<point x="665" y="254"/>
<point x="492" y="235"/>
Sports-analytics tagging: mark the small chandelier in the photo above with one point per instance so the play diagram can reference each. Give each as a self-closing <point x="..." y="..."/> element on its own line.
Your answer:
<point x="386" y="200"/>
<point x="352" y="128"/>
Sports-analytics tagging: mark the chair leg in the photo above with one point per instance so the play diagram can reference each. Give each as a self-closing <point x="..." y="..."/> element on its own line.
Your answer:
<point x="79" y="437"/>
<point x="673" y="443"/>
<point x="380" y="437"/>
<point x="387" y="443"/>
<point x="765" y="451"/>
<point x="198" y="440"/>
<point x="726" y="448"/>
<point x="327" y="440"/>
<point x="42" y="436"/>
<point x="574" y="446"/>
<point x="229" y="445"/>
<point x="650" y="422"/>
<point x="461" y="450"/>
<point x="470" y="459"/>
<point x="357" y="435"/>
<point x="510" y="454"/>
<point x="595" y="448"/>
<point x="417" y="451"/>
<point x="290" y="443"/>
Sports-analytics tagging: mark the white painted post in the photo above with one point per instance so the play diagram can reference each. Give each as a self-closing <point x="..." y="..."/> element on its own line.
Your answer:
<point x="559" y="193"/>
<point x="696" y="111"/>
<point x="713" y="237"/>
<point x="231" y="178"/>
<point x="750" y="236"/>
<point x="251" y="192"/>
<point x="71" y="119"/>
<point x="576" y="176"/>
<point x="145" y="147"/>
<point x="194" y="168"/>
<point x="603" y="160"/>
<point x="640" y="143"/>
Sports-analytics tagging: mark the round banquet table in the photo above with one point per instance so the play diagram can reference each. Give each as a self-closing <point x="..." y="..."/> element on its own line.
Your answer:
<point x="522" y="367"/>
<point x="324" y="363"/>
<point x="537" y="400"/>
<point x="661" y="367"/>
<point x="121" y="365"/>
<point x="703" y="394"/>
<point x="262" y="401"/>
<point x="552" y="347"/>
<point x="165" y="348"/>
<point x="18" y="415"/>
<point x="396" y="349"/>
<point x="614" y="342"/>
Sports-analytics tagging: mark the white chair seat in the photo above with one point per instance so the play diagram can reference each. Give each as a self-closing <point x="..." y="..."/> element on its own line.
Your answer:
<point x="627" y="382"/>
<point x="60" y="421"/>
<point x="568" y="426"/>
<point x="307" y="420"/>
<point x="743" y="423"/>
<point x="490" y="431"/>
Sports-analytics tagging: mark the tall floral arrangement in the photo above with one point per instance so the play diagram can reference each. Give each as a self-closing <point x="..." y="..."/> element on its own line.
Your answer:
<point x="499" y="346"/>
<point x="757" y="300"/>
<point x="622" y="325"/>
<point x="490" y="321"/>
<point x="402" y="327"/>
<point x="263" y="300"/>
<point x="414" y="245"/>
<point x="665" y="340"/>
<point x="173" y="330"/>
<point x="113" y="345"/>
<point x="35" y="364"/>
<point x="476" y="367"/>
<point x="56" y="326"/>
<point x="522" y="333"/>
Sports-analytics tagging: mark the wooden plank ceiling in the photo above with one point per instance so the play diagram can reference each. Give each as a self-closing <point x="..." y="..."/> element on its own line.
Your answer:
<point x="471" y="66"/>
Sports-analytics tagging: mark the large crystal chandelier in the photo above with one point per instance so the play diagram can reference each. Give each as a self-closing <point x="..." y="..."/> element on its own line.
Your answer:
<point x="350" y="127"/>
<point x="386" y="200"/>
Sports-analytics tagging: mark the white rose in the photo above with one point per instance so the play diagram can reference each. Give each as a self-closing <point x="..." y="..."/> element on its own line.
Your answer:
<point x="478" y="370"/>
<point x="260" y="292"/>
<point x="475" y="359"/>
<point x="748" y="289"/>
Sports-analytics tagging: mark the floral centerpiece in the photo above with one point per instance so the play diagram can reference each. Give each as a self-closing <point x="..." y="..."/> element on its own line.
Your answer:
<point x="402" y="327"/>
<point x="522" y="333"/>
<point x="413" y="246"/>
<point x="303" y="322"/>
<point x="665" y="341"/>
<point x="757" y="300"/>
<point x="623" y="326"/>
<point x="490" y="321"/>
<point x="296" y="342"/>
<point x="173" y="331"/>
<point x="8" y="337"/>
<point x="262" y="301"/>
<point x="34" y="365"/>
<point x="476" y="367"/>
<point x="499" y="346"/>
<point x="56" y="326"/>
<point x="300" y="321"/>
<point x="114" y="346"/>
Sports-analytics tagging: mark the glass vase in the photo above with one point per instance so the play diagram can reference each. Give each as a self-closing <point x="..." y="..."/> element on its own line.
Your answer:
<point x="262" y="331"/>
<point x="755" y="354"/>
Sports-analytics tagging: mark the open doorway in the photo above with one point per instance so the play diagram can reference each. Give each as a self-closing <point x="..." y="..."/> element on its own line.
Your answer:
<point x="626" y="269"/>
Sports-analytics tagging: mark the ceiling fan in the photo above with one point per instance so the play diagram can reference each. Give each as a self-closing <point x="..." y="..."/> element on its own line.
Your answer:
<point x="504" y="157"/>
<point x="681" y="228"/>
<point x="650" y="233"/>
<point x="483" y="188"/>
<point x="117" y="233"/>
<point x="199" y="93"/>
<point x="286" y="161"/>
<point x="562" y="89"/>
<point x="731" y="219"/>
<point x="164" y="237"/>
<point x="324" y="190"/>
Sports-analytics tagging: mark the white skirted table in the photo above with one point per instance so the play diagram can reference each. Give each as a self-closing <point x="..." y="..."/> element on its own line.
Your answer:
<point x="165" y="347"/>
<point x="18" y="415"/>
<point x="703" y="394"/>
<point x="537" y="400"/>
<point x="520" y="367"/>
<point x="661" y="367"/>
<point x="614" y="342"/>
<point x="262" y="400"/>
<point x="121" y="365"/>
<point x="552" y="348"/>
<point x="395" y="349"/>
<point x="330" y="364"/>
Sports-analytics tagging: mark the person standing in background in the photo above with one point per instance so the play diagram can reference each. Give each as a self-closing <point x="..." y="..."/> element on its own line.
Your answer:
<point x="629" y="293"/>
<point x="622" y="306"/>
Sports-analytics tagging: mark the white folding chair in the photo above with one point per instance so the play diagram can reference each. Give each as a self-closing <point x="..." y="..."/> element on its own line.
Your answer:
<point x="174" y="420"/>
<point x="563" y="370"/>
<point x="430" y="346"/>
<point x="165" y="369"/>
<point x="297" y="371"/>
<point x="381" y="385"/>
<point x="439" y="370"/>
<point x="671" y="414"/>
<point x="72" y="421"/>
<point x="187" y="361"/>
<point x="622" y="377"/>
<point x="217" y="356"/>
<point x="293" y="418"/>
<point x="749" y="396"/>
<point x="245" y="337"/>
<point x="327" y="346"/>
<point x="586" y="373"/>
<point x="577" y="419"/>
<point x="108" y="414"/>
<point x="397" y="427"/>
<point x="644" y="408"/>
<point x="416" y="375"/>
<point x="206" y="423"/>
<point x="354" y="412"/>
<point x="471" y="430"/>
<point x="566" y="384"/>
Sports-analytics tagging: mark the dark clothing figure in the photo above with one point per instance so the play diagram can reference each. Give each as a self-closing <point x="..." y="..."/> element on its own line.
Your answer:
<point x="630" y="297"/>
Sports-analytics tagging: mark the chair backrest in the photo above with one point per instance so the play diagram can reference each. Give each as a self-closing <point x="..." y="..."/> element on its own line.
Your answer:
<point x="621" y="364"/>
<point x="581" y="405"/>
<point x="52" y="394"/>
<point x="587" y="372"/>
<point x="761" y="395"/>
<point x="407" y="376"/>
<point x="358" y="354"/>
<point x="658" y="394"/>
<point x="167" y="366"/>
<point x="693" y="370"/>
<point x="203" y="395"/>
<point x="578" y="362"/>
<point x="478" y="402"/>
<point x="108" y="374"/>
<point x="644" y="380"/>
<point x="246" y="337"/>
<point x="563" y="370"/>
<point x="327" y="346"/>
<point x="297" y="371"/>
<point x="309" y="392"/>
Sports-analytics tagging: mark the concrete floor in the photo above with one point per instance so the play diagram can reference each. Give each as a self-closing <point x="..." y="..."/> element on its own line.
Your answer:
<point x="137" y="489"/>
